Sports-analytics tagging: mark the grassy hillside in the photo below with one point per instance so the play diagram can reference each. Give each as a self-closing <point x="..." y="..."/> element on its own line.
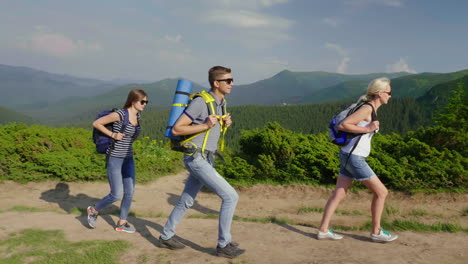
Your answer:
<point x="438" y="94"/>
<point x="8" y="115"/>
<point x="289" y="87"/>
<point x="413" y="86"/>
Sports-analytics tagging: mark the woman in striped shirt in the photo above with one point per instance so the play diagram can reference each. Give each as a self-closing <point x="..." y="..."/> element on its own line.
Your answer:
<point x="120" y="163"/>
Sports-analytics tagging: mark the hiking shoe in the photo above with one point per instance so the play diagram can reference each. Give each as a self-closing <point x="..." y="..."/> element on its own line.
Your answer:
<point x="383" y="237"/>
<point x="92" y="217"/>
<point x="234" y="243"/>
<point x="330" y="235"/>
<point x="171" y="243"/>
<point x="229" y="251"/>
<point x="125" y="228"/>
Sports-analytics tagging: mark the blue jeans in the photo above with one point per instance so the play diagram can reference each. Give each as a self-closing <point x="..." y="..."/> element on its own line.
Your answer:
<point x="203" y="173"/>
<point x="121" y="176"/>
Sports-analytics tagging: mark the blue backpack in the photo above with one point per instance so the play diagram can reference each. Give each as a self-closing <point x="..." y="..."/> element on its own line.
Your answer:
<point x="342" y="138"/>
<point x="102" y="141"/>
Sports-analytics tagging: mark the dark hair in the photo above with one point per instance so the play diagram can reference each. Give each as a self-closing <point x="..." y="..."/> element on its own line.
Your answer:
<point x="215" y="72"/>
<point x="133" y="96"/>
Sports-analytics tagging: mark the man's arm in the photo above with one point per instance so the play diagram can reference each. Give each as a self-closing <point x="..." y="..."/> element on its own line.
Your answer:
<point x="184" y="126"/>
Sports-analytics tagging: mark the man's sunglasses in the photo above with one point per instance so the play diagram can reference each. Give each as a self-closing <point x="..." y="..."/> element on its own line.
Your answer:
<point x="142" y="102"/>
<point x="228" y="81"/>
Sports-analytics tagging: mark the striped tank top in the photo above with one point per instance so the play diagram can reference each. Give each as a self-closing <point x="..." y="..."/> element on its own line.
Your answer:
<point x="123" y="148"/>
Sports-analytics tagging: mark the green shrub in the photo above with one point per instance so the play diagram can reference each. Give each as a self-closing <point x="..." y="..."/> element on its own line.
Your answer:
<point x="38" y="153"/>
<point x="277" y="155"/>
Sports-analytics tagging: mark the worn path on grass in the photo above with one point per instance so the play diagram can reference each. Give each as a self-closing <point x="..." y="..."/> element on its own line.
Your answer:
<point x="56" y="205"/>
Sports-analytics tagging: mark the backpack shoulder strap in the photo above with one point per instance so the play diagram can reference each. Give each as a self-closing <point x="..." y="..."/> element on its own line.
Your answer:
<point x="209" y="100"/>
<point x="125" y="120"/>
<point x="224" y="107"/>
<point x="374" y="114"/>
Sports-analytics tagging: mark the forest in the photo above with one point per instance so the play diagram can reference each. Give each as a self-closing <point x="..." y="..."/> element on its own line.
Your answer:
<point x="307" y="118"/>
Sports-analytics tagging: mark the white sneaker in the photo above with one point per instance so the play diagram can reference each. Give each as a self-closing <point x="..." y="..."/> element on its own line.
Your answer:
<point x="383" y="237"/>
<point x="331" y="235"/>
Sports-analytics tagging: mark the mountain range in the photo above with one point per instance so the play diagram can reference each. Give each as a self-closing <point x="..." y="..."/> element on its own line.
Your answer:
<point x="55" y="98"/>
<point x="26" y="88"/>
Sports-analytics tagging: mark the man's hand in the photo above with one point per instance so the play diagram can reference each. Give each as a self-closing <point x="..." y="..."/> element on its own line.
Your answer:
<point x="227" y="120"/>
<point x="211" y="121"/>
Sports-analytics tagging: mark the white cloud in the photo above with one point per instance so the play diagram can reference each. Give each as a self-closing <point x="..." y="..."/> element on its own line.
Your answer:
<point x="343" y="65"/>
<point x="177" y="38"/>
<point x="57" y="45"/>
<point x="253" y="29"/>
<point x="331" y="21"/>
<point x="391" y="3"/>
<point x="400" y="66"/>
<point x="247" y="19"/>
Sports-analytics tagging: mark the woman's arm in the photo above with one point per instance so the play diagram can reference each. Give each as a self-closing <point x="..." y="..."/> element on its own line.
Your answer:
<point x="362" y="114"/>
<point x="100" y="123"/>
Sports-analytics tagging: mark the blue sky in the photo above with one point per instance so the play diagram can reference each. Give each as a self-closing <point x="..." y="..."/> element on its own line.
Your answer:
<point x="156" y="39"/>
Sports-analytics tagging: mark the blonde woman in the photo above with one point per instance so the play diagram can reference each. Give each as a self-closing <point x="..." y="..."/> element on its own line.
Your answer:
<point x="354" y="166"/>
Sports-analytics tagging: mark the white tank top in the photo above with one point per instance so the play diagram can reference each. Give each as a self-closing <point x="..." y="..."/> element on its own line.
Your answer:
<point x="364" y="146"/>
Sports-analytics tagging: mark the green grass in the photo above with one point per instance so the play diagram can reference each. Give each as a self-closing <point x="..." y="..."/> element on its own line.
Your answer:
<point x="20" y="208"/>
<point x="465" y="212"/>
<point x="39" y="246"/>
<point x="310" y="210"/>
<point x="320" y="210"/>
<point x="27" y="209"/>
<point x="238" y="262"/>
<point x="78" y="211"/>
<point x="409" y="225"/>
<point x="152" y="215"/>
<point x="243" y="219"/>
<point x="406" y="225"/>
<point x="418" y="212"/>
<point x="389" y="210"/>
<point x="395" y="225"/>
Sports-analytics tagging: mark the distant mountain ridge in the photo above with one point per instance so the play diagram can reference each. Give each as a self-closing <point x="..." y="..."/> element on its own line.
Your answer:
<point x="414" y="86"/>
<point x="289" y="87"/>
<point x="79" y="109"/>
<point x="24" y="87"/>
<point x="47" y="97"/>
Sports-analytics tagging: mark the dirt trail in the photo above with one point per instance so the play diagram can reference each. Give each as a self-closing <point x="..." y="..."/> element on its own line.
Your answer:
<point x="265" y="243"/>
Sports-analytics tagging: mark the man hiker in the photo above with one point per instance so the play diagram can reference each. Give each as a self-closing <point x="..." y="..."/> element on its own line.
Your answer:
<point x="199" y="161"/>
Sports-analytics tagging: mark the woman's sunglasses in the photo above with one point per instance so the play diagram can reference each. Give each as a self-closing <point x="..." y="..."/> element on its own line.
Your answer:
<point x="228" y="81"/>
<point x="142" y="102"/>
<point x="389" y="93"/>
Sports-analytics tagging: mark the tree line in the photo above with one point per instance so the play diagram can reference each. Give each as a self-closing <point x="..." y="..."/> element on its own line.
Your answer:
<point x="399" y="116"/>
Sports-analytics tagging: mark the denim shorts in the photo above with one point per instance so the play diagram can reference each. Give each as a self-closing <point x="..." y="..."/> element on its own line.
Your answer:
<point x="356" y="167"/>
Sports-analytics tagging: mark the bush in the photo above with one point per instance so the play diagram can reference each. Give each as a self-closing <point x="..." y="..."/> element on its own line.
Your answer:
<point x="276" y="155"/>
<point x="38" y="153"/>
